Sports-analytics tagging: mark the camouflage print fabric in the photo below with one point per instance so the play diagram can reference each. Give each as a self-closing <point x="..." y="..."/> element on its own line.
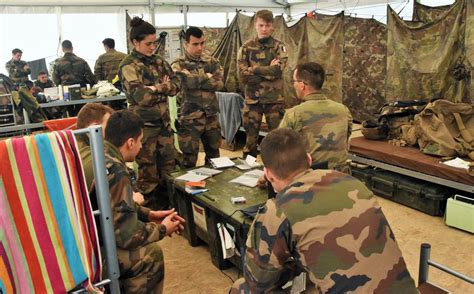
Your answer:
<point x="213" y="37"/>
<point x="413" y="71"/>
<point x="252" y="121"/>
<point x="199" y="107"/>
<point x="140" y="257"/>
<point x="191" y="131"/>
<point x="71" y="69"/>
<point x="365" y="66"/>
<point x="137" y="72"/>
<point x="469" y="43"/>
<point x="18" y="71"/>
<point x="326" y="126"/>
<point x="155" y="159"/>
<point x="43" y="86"/>
<point x="428" y="14"/>
<point x="262" y="82"/>
<point x="329" y="226"/>
<point x="107" y="65"/>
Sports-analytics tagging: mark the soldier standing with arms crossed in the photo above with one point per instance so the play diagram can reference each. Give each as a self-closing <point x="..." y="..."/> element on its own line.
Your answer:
<point x="200" y="76"/>
<point x="261" y="62"/>
<point x="147" y="81"/>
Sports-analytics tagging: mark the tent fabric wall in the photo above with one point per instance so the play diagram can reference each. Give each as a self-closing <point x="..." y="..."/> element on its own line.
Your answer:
<point x="469" y="43"/>
<point x="413" y="71"/>
<point x="427" y="14"/>
<point x="364" y="72"/>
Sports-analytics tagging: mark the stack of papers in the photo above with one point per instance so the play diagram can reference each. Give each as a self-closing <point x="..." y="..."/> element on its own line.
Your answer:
<point x="249" y="179"/>
<point x="248" y="163"/>
<point x="192" y="177"/>
<point x="204" y="171"/>
<point x="457" y="162"/>
<point x="222" y="162"/>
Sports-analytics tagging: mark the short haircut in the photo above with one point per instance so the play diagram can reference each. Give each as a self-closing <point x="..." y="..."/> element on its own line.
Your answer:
<point x="66" y="44"/>
<point x="92" y="113"/>
<point x="16" y="51"/>
<point x="123" y="125"/>
<point x="42" y="73"/>
<point x="264" y="14"/>
<point x="311" y="73"/>
<point x="139" y="29"/>
<point x="193" y="31"/>
<point x="283" y="152"/>
<point x="109" y="42"/>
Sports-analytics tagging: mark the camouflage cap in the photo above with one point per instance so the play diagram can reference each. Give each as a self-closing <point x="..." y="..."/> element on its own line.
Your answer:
<point x="373" y="130"/>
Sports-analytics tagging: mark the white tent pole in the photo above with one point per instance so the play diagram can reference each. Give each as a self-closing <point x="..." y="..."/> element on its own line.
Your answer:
<point x="184" y="11"/>
<point x="59" y="25"/>
<point x="152" y="11"/>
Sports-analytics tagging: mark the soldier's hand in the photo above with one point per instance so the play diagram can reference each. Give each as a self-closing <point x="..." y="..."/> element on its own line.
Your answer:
<point x="138" y="198"/>
<point x="209" y="75"/>
<point x="166" y="79"/>
<point x="262" y="182"/>
<point x="275" y="61"/>
<point x="158" y="215"/>
<point x="172" y="224"/>
<point x="153" y="88"/>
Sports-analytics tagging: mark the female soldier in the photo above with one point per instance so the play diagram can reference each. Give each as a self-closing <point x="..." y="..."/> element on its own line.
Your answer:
<point x="147" y="81"/>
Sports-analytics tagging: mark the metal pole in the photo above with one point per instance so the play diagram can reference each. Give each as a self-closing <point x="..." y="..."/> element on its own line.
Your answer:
<point x="424" y="257"/>
<point x="185" y="15"/>
<point x="103" y="200"/>
<point x="450" y="271"/>
<point x="152" y="12"/>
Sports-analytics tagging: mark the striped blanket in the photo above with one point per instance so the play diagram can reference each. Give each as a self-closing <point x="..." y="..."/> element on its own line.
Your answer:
<point x="48" y="238"/>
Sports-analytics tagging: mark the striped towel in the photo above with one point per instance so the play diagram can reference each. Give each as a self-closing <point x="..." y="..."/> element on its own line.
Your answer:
<point x="48" y="237"/>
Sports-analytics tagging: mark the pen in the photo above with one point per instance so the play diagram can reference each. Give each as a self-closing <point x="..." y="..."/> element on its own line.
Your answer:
<point x="210" y="198"/>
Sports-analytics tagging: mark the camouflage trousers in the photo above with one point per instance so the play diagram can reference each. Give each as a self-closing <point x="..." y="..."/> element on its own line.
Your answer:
<point x="191" y="131"/>
<point x="142" y="270"/>
<point x="155" y="160"/>
<point x="253" y="114"/>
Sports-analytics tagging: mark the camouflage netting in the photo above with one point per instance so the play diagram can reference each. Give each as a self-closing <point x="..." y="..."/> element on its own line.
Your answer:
<point x="427" y="14"/>
<point x="363" y="80"/>
<point x="414" y="71"/>
<point x="213" y="37"/>
<point x="469" y="43"/>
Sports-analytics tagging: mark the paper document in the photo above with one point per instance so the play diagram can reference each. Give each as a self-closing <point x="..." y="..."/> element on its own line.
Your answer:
<point x="248" y="163"/>
<point x="205" y="171"/>
<point x="222" y="162"/>
<point x="457" y="162"/>
<point x="249" y="179"/>
<point x="192" y="177"/>
<point x="227" y="243"/>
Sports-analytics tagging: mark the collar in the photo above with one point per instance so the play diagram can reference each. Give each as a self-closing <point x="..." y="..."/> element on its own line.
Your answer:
<point x="113" y="151"/>
<point x="145" y="59"/>
<point x="269" y="43"/>
<point x="295" y="179"/>
<point x="190" y="57"/>
<point x="315" y="96"/>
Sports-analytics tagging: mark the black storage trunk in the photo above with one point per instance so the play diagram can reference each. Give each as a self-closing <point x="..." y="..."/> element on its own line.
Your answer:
<point x="425" y="196"/>
<point x="363" y="173"/>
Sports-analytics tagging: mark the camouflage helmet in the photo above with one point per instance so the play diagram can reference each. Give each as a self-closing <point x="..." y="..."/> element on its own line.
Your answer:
<point x="373" y="130"/>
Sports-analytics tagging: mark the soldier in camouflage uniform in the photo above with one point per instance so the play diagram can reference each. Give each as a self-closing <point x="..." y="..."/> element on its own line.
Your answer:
<point x="137" y="229"/>
<point x="71" y="69"/>
<point x="43" y="81"/>
<point x="18" y="70"/>
<point x="107" y="65"/>
<point x="324" y="231"/>
<point x="325" y="124"/>
<point x="147" y="81"/>
<point x="261" y="62"/>
<point x="200" y="76"/>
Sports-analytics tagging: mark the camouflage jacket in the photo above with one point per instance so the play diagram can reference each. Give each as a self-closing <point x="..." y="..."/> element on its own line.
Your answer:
<point x="329" y="226"/>
<point x="132" y="228"/>
<point x="198" y="91"/>
<point x="107" y="65"/>
<point x="262" y="82"/>
<point x="18" y="71"/>
<point x="71" y="70"/>
<point x="138" y="71"/>
<point x="43" y="86"/>
<point x="326" y="126"/>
